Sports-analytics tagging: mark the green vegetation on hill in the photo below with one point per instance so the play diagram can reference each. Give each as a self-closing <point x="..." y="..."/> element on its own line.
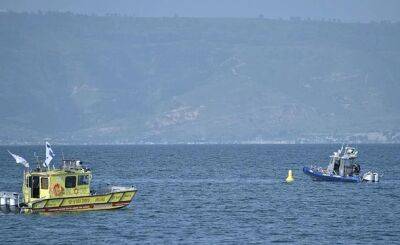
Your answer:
<point x="91" y="79"/>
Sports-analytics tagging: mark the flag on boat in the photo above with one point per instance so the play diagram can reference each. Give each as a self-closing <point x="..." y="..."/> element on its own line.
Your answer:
<point x="20" y="160"/>
<point x="49" y="155"/>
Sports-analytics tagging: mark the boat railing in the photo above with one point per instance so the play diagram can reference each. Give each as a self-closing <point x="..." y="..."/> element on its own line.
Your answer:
<point x="319" y="169"/>
<point x="107" y="188"/>
<point x="101" y="189"/>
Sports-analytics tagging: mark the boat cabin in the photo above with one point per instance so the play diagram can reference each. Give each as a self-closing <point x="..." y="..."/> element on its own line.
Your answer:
<point x="72" y="180"/>
<point x="344" y="163"/>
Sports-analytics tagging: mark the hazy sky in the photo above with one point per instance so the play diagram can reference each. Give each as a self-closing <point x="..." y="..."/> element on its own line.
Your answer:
<point x="346" y="10"/>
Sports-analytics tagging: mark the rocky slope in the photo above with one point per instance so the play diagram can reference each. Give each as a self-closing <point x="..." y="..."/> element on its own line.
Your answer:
<point x="89" y="79"/>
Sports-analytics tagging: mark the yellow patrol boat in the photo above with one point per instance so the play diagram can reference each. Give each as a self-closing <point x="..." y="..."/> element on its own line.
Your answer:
<point x="67" y="188"/>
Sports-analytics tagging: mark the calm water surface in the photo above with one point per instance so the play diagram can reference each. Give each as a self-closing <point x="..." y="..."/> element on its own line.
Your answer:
<point x="217" y="194"/>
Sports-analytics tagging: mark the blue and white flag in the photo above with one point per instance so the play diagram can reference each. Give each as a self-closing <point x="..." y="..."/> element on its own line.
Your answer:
<point x="49" y="155"/>
<point x="20" y="160"/>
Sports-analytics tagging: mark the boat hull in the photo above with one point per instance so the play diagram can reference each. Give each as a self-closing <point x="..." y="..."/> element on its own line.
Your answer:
<point x="107" y="201"/>
<point x="319" y="176"/>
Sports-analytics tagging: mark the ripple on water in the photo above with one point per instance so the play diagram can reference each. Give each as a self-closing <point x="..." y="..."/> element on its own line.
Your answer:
<point x="219" y="194"/>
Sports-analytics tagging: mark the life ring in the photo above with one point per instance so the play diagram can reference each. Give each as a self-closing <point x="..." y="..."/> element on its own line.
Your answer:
<point x="57" y="189"/>
<point x="76" y="191"/>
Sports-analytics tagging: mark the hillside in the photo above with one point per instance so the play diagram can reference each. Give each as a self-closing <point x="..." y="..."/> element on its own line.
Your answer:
<point x="89" y="79"/>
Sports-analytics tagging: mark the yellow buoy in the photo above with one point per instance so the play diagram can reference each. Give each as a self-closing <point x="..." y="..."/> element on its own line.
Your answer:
<point x="289" y="178"/>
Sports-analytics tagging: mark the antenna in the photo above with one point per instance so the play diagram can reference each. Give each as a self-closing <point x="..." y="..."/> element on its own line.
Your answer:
<point x="37" y="159"/>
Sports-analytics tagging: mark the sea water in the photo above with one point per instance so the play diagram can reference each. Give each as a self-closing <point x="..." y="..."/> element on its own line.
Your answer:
<point x="216" y="194"/>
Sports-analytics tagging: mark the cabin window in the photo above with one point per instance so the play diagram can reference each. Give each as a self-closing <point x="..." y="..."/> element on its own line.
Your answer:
<point x="70" y="182"/>
<point x="83" y="179"/>
<point x="35" y="192"/>
<point x="44" y="183"/>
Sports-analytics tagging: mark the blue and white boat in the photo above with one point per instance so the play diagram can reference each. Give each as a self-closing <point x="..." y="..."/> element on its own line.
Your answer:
<point x="343" y="167"/>
<point x="318" y="174"/>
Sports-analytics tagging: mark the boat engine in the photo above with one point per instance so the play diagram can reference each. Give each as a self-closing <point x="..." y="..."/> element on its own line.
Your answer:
<point x="371" y="177"/>
<point x="9" y="202"/>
